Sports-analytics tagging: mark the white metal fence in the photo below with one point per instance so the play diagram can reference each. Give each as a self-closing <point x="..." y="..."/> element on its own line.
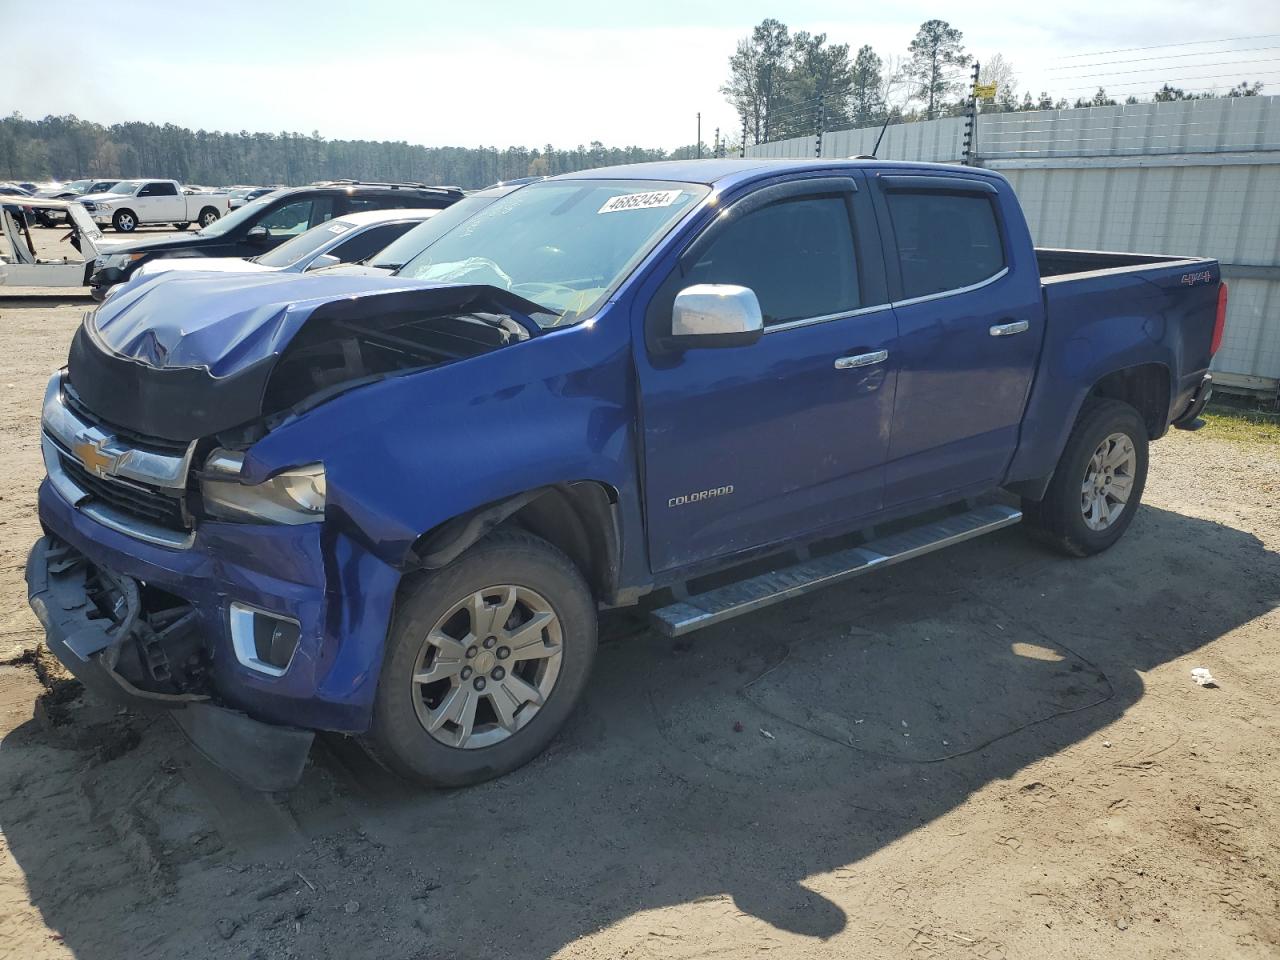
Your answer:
<point x="1198" y="177"/>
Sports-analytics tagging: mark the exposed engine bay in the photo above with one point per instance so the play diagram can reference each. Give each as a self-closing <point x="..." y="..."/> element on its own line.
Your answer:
<point x="140" y="367"/>
<point x="339" y="353"/>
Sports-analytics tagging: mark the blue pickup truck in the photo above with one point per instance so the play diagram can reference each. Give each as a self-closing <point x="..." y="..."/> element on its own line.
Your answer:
<point x="392" y="506"/>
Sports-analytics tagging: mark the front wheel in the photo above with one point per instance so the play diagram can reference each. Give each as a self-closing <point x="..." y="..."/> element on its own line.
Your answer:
<point x="181" y="226"/>
<point x="485" y="661"/>
<point x="124" y="221"/>
<point x="1098" y="483"/>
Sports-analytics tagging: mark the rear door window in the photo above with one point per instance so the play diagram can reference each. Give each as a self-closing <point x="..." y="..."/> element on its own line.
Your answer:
<point x="796" y="255"/>
<point x="946" y="241"/>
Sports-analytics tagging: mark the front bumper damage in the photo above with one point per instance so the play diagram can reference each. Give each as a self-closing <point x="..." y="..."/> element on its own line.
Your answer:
<point x="128" y="646"/>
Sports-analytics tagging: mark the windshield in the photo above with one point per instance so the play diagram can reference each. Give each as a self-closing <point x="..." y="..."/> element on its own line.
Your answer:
<point x="77" y="186"/>
<point x="304" y="244"/>
<point x="236" y="217"/>
<point x="403" y="250"/>
<point x="124" y="186"/>
<point x="564" y="244"/>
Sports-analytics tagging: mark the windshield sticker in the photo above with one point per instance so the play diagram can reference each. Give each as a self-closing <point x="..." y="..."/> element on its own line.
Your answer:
<point x="640" y="201"/>
<point x="338" y="228"/>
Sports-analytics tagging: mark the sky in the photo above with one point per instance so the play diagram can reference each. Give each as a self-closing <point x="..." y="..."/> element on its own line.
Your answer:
<point x="564" y="72"/>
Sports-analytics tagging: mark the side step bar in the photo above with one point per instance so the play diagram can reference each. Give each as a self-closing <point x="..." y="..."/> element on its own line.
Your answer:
<point x="766" y="589"/>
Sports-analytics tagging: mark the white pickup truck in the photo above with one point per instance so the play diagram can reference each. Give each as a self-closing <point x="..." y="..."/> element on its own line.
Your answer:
<point x="134" y="203"/>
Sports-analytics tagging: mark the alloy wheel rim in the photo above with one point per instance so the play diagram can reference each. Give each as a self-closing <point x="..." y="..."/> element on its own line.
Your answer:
<point x="487" y="667"/>
<point x="126" y="222"/>
<point x="1108" y="481"/>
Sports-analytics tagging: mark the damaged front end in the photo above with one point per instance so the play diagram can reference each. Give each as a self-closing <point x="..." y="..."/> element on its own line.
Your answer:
<point x="130" y="643"/>
<point x="166" y="578"/>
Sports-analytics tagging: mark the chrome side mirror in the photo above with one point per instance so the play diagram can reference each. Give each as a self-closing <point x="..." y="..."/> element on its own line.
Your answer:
<point x="716" y="315"/>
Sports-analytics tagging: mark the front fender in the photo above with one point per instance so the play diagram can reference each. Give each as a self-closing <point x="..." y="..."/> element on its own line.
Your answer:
<point x="407" y="454"/>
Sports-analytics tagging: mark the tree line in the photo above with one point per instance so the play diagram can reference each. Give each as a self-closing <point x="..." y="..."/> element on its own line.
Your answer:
<point x="67" y="147"/>
<point x="783" y="84"/>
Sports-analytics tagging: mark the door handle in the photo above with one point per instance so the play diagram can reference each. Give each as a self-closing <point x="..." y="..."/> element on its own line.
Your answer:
<point x="1009" y="329"/>
<point x="862" y="360"/>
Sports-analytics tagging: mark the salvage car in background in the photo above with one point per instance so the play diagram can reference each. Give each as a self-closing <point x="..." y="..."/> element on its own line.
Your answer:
<point x="19" y="264"/>
<point x="72" y="190"/>
<point x="266" y="223"/>
<point x="345" y="239"/>
<point x="134" y="203"/>
<point x="242" y="195"/>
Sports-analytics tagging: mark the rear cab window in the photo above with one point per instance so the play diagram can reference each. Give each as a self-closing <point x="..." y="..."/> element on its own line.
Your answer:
<point x="946" y="240"/>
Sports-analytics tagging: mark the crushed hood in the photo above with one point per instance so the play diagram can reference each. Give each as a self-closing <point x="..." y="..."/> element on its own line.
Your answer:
<point x="187" y="354"/>
<point x="226" y="324"/>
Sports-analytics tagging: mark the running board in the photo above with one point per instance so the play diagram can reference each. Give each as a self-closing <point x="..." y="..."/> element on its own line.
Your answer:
<point x="755" y="593"/>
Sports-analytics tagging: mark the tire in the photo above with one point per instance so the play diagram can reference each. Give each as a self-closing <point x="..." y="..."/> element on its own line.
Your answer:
<point x="506" y="560"/>
<point x="181" y="226"/>
<point x="207" y="216"/>
<point x="124" y="221"/>
<point x="1069" y="516"/>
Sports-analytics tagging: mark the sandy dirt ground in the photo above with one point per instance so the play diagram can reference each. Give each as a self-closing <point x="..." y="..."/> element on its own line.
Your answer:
<point x="991" y="752"/>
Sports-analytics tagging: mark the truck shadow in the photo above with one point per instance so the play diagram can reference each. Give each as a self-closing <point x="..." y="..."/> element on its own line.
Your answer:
<point x="724" y="771"/>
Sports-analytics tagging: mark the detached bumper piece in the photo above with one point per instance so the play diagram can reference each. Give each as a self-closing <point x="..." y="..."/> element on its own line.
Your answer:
<point x="1190" y="419"/>
<point x="129" y="644"/>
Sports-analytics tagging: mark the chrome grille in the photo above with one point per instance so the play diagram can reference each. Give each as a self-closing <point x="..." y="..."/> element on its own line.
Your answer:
<point x="127" y="497"/>
<point x="132" y="485"/>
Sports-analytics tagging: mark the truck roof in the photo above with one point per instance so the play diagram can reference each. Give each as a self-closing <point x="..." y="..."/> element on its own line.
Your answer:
<point x="728" y="171"/>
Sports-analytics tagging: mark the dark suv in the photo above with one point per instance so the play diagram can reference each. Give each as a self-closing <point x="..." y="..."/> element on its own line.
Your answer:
<point x="266" y="222"/>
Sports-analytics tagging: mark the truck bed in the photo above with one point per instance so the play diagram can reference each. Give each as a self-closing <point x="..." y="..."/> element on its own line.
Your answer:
<point x="1057" y="264"/>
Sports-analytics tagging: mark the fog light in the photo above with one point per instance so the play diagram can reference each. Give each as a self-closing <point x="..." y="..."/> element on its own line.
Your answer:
<point x="263" y="641"/>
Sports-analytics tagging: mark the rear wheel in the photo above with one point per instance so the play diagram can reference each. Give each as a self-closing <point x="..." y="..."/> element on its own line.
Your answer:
<point x="1098" y="483"/>
<point x="485" y="660"/>
<point x="207" y="216"/>
<point x="125" y="221"/>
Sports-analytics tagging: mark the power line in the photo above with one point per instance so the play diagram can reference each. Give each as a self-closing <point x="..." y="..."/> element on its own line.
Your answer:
<point x="1253" y="74"/>
<point x="1121" y="73"/>
<point x="1170" y="46"/>
<point x="1167" y="56"/>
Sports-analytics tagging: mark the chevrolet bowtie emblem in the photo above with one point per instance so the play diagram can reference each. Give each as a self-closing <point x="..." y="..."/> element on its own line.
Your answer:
<point x="95" y="459"/>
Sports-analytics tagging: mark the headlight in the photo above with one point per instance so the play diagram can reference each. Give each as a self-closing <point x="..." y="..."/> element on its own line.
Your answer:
<point x="293" y="496"/>
<point x="118" y="260"/>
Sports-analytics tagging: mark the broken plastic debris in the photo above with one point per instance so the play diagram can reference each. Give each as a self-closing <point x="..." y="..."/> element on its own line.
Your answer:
<point x="1203" y="677"/>
<point x="766" y="734"/>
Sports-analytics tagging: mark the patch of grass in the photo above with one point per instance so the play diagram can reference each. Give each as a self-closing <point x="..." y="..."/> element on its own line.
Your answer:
<point x="1242" y="426"/>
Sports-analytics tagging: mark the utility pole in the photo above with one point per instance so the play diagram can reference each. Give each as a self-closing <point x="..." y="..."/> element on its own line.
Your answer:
<point x="822" y="119"/>
<point x="742" y="150"/>
<point x="971" y="121"/>
<point x="716" y="152"/>
<point x="699" y="134"/>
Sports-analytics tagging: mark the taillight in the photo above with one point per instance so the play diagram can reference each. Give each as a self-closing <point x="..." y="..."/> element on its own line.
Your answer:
<point x="1220" y="321"/>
